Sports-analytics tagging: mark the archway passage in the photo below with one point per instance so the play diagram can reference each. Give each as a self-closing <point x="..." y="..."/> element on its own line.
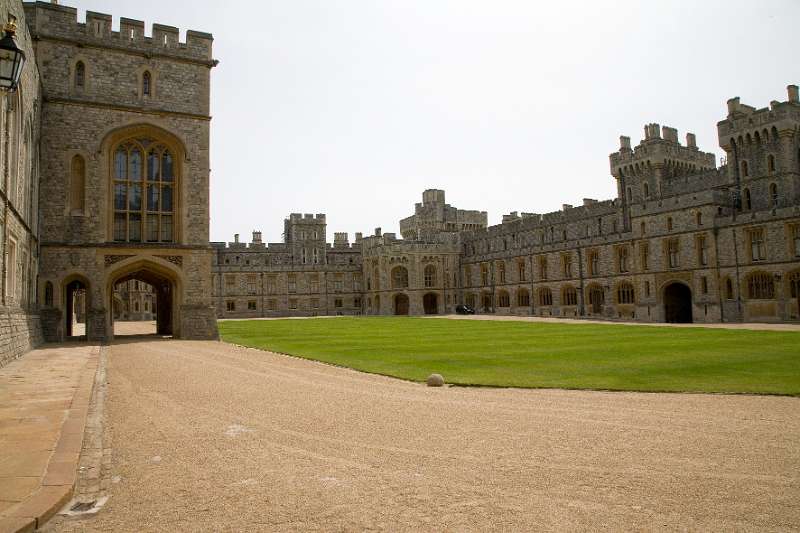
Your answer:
<point x="147" y="304"/>
<point x="596" y="300"/>
<point x="486" y="303"/>
<point x="76" y="295"/>
<point x="678" y="303"/>
<point x="401" y="304"/>
<point x="430" y="304"/>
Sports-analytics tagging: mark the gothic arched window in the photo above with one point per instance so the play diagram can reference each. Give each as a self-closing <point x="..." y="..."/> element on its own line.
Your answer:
<point x="399" y="278"/>
<point x="145" y="178"/>
<point x="147" y="83"/>
<point x="430" y="276"/>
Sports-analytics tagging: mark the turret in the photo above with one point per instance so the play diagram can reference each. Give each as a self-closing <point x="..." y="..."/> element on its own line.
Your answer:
<point x="761" y="145"/>
<point x="641" y="171"/>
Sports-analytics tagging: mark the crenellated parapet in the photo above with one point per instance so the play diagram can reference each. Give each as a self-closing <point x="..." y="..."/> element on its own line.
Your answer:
<point x="660" y="149"/>
<point x="57" y="22"/>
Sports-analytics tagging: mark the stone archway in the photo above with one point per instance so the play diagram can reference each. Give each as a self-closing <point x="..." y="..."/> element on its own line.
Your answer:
<point x="76" y="306"/>
<point x="401" y="304"/>
<point x="677" y="303"/>
<point x="166" y="288"/>
<point x="430" y="303"/>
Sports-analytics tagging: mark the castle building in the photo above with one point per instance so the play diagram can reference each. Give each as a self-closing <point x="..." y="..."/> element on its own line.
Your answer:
<point x="685" y="240"/>
<point x="105" y="176"/>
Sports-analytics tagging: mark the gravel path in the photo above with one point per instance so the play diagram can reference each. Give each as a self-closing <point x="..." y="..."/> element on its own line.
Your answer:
<point x="208" y="436"/>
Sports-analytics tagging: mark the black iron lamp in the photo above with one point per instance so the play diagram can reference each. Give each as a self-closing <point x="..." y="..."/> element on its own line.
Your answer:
<point x="12" y="58"/>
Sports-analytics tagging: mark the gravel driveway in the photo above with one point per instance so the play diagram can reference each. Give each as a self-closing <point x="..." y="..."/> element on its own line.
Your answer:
<point x="208" y="436"/>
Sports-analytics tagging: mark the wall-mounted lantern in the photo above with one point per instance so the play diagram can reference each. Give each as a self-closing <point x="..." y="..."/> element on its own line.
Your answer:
<point x="12" y="58"/>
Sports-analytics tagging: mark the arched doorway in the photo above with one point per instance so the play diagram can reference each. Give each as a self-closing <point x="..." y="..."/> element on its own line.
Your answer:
<point x="76" y="305"/>
<point x="430" y="304"/>
<point x="486" y="302"/>
<point x="596" y="299"/>
<point x="401" y="304"/>
<point x="160" y="287"/>
<point x="677" y="303"/>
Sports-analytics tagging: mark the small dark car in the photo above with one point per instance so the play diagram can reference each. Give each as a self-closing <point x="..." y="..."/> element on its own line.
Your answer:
<point x="464" y="310"/>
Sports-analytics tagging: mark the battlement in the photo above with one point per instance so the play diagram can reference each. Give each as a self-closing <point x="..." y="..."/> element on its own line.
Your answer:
<point x="53" y="21"/>
<point x="340" y="239"/>
<point x="306" y="218"/>
<point x="660" y="148"/>
<point x="746" y="124"/>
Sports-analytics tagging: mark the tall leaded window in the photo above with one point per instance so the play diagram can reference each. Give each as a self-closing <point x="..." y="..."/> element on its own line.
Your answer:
<point x="625" y="293"/>
<point x="144" y="192"/>
<point x="430" y="276"/>
<point x="758" y="250"/>
<point x="760" y="286"/>
<point x="399" y="278"/>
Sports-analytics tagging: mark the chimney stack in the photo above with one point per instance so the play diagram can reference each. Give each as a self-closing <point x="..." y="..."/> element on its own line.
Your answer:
<point x="236" y="238"/>
<point x="793" y="94"/>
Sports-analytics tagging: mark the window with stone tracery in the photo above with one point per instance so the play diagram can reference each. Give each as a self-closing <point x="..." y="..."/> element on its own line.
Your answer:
<point x="145" y="177"/>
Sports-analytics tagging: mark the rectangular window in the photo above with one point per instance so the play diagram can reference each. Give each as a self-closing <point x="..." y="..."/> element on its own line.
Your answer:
<point x="272" y="284"/>
<point x="543" y="267"/>
<point x="251" y="305"/>
<point x="501" y="271"/>
<point x="357" y="282"/>
<point x="566" y="262"/>
<point x="702" y="250"/>
<point x="521" y="270"/>
<point x="704" y="284"/>
<point x="315" y="303"/>
<point x="292" y="284"/>
<point x="484" y="274"/>
<point x="293" y="303"/>
<point x="357" y="302"/>
<point x="271" y="305"/>
<point x="252" y="284"/>
<point x="647" y="288"/>
<point x="673" y="253"/>
<point x="758" y="250"/>
<point x="645" y="255"/>
<point x="337" y="302"/>
<point x="338" y="283"/>
<point x="231" y="305"/>
<point x="230" y="284"/>
<point x="622" y="259"/>
<point x="796" y="240"/>
<point x="593" y="260"/>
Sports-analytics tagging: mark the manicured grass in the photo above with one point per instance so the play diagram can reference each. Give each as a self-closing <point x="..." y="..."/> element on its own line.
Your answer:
<point x="524" y="354"/>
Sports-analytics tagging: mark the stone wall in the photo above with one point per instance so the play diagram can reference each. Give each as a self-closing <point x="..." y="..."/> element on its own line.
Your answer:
<point x="19" y="332"/>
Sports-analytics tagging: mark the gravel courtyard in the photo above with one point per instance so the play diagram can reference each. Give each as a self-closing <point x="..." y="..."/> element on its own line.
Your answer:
<point x="209" y="436"/>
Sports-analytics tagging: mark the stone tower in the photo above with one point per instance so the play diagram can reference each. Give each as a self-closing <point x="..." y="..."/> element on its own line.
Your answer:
<point x="125" y="169"/>
<point x="305" y="237"/>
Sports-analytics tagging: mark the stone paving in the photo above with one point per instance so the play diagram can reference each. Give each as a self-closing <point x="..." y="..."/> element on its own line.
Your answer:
<point x="44" y="400"/>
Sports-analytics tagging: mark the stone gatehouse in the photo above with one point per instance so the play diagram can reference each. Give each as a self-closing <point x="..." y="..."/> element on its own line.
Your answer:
<point x="685" y="240"/>
<point x="107" y="175"/>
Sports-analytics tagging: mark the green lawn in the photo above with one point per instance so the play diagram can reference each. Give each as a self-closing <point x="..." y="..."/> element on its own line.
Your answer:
<point x="524" y="354"/>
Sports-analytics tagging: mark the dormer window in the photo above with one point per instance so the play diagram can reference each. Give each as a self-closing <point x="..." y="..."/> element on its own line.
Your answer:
<point x="147" y="83"/>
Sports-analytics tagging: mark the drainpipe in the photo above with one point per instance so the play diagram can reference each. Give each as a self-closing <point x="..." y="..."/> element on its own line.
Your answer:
<point x="715" y="233"/>
<point x="738" y="281"/>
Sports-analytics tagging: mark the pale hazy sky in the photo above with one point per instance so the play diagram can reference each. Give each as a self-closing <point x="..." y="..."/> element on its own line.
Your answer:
<point x="354" y="107"/>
